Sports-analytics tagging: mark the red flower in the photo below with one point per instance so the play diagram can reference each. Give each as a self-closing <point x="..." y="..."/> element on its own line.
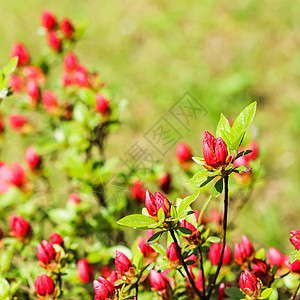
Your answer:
<point x="17" y="175"/>
<point x="54" y="42"/>
<point x="276" y="257"/>
<point x="215" y="253"/>
<point x="295" y="239"/>
<point x="154" y="203"/>
<point x="67" y="28"/>
<point x="172" y="253"/>
<point x="102" y="105"/>
<point x="137" y="191"/>
<point x="17" y="122"/>
<point x="183" y="152"/>
<point x="145" y="249"/>
<point x="122" y="262"/>
<point x="165" y="183"/>
<point x="44" y="286"/>
<point x="222" y="294"/>
<point x="244" y="251"/>
<point x="295" y="266"/>
<point x="20" y="228"/>
<point x="249" y="284"/>
<point x="199" y="281"/>
<point x="70" y="62"/>
<point x="33" y="91"/>
<point x="34" y="73"/>
<point x="157" y="281"/>
<point x="81" y="76"/>
<point x="66" y="79"/>
<point x="55" y="238"/>
<point x="103" y="289"/>
<point x="50" y="102"/>
<point x="32" y="158"/>
<point x="214" y="150"/>
<point x="74" y="198"/>
<point x="46" y="253"/>
<point x="253" y="145"/>
<point x="260" y="268"/>
<point x="21" y="52"/>
<point x="85" y="271"/>
<point x="48" y="20"/>
<point x="16" y="82"/>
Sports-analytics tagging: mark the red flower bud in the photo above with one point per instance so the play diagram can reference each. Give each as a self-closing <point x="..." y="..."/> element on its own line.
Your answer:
<point x="260" y="268"/>
<point x="32" y="158"/>
<point x="241" y="161"/>
<point x="21" y="52"/>
<point x="19" y="227"/>
<point x="44" y="286"/>
<point x="145" y="249"/>
<point x="222" y="294"/>
<point x="137" y="191"/>
<point x="1" y="124"/>
<point x="34" y="73"/>
<point x="85" y="271"/>
<point x="55" y="238"/>
<point x="46" y="252"/>
<point x="172" y="253"/>
<point x="249" y="284"/>
<point x="50" y="102"/>
<point x="67" y="28"/>
<point x="183" y="152"/>
<point x="193" y="258"/>
<point x="253" y="145"/>
<point x="244" y="252"/>
<point x="70" y="62"/>
<point x="17" y="122"/>
<point x="5" y="174"/>
<point x="33" y="91"/>
<point x="17" y="175"/>
<point x="154" y="203"/>
<point x="54" y="42"/>
<point x="295" y="266"/>
<point x="16" y="82"/>
<point x="157" y="281"/>
<point x="81" y="76"/>
<point x="74" y="198"/>
<point x="295" y="239"/>
<point x="102" y="105"/>
<point x="105" y="271"/>
<point x="215" y="253"/>
<point x="199" y="281"/>
<point x="165" y="183"/>
<point x="276" y="257"/>
<point x="214" y="150"/>
<point x="103" y="289"/>
<point x="113" y="277"/>
<point x="122" y="262"/>
<point x="48" y="20"/>
<point x="66" y="79"/>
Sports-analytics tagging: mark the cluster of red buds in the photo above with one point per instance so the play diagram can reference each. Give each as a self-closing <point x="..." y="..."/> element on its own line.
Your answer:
<point x="160" y="284"/>
<point x="45" y="287"/>
<point x="244" y="253"/>
<point x="20" y="228"/>
<point x="250" y="285"/>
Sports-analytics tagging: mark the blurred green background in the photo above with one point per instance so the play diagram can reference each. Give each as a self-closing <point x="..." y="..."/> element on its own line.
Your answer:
<point x="225" y="53"/>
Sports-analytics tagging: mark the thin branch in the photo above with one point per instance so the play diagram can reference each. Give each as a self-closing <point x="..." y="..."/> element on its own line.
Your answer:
<point x="202" y="270"/>
<point x="296" y="292"/>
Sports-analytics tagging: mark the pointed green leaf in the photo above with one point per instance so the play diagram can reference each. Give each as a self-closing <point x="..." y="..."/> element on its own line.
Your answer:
<point x="199" y="177"/>
<point x="198" y="160"/>
<point x="11" y="66"/>
<point x="218" y="188"/>
<point x="266" y="293"/>
<point x="155" y="237"/>
<point x="222" y="125"/>
<point x="186" y="202"/>
<point x="184" y="231"/>
<point x="203" y="209"/>
<point x="136" y="220"/>
<point x="234" y="293"/>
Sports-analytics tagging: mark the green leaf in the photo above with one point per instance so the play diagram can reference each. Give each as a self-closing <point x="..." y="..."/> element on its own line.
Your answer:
<point x="136" y="220"/>
<point x="11" y="66"/>
<point x="138" y="258"/>
<point x="184" y="231"/>
<point x="198" y="160"/>
<point x="227" y="138"/>
<point x="171" y="273"/>
<point x="266" y="293"/>
<point x="236" y="143"/>
<point x="214" y="239"/>
<point x="155" y="237"/>
<point x="208" y="180"/>
<point x="161" y="218"/>
<point x="243" y="121"/>
<point x="186" y="202"/>
<point x="88" y="97"/>
<point x="223" y="125"/>
<point x="199" y="177"/>
<point x="203" y="209"/>
<point x="218" y="188"/>
<point x="4" y="288"/>
<point x="234" y="293"/>
<point x="173" y="212"/>
<point x="242" y="153"/>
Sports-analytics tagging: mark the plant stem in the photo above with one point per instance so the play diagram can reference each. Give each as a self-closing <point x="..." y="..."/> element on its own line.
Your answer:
<point x="296" y="292"/>
<point x="184" y="265"/>
<point x="213" y="281"/>
<point x="136" y="290"/>
<point x="202" y="270"/>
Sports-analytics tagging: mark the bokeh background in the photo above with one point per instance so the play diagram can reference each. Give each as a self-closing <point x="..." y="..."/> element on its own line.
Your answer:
<point x="225" y="53"/>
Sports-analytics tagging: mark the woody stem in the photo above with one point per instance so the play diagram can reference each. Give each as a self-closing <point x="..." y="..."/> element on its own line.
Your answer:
<point x="202" y="270"/>
<point x="214" y="278"/>
<point x="185" y="266"/>
<point x="296" y="292"/>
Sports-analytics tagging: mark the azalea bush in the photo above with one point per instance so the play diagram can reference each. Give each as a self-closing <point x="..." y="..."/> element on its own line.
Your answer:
<point x="62" y="226"/>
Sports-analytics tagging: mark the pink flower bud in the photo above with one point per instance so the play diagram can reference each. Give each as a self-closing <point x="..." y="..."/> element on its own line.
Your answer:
<point x="17" y="175"/>
<point x="46" y="252"/>
<point x="19" y="227"/>
<point x="33" y="91"/>
<point x="17" y="122"/>
<point x="67" y="28"/>
<point x="190" y="226"/>
<point x="157" y="281"/>
<point x="214" y="150"/>
<point x="21" y="52"/>
<point x="244" y="252"/>
<point x="249" y="284"/>
<point x="85" y="271"/>
<point x="295" y="266"/>
<point x="222" y="294"/>
<point x="74" y="198"/>
<point x="295" y="239"/>
<point x="54" y="42"/>
<point x="165" y="183"/>
<point x="34" y="73"/>
<point x="145" y="249"/>
<point x="172" y="253"/>
<point x="241" y="161"/>
<point x="199" y="281"/>
<point x="48" y="20"/>
<point x="113" y="277"/>
<point x="102" y="105"/>
<point x="70" y="62"/>
<point x="260" y="268"/>
<point x="81" y="76"/>
<point x="276" y="257"/>
<point x="44" y="286"/>
<point x="67" y="79"/>
<point x="55" y="238"/>
<point x="32" y="158"/>
<point x="122" y="262"/>
<point x="16" y="82"/>
<point x="103" y="289"/>
<point x="5" y="174"/>
<point x="215" y="254"/>
<point x="253" y="145"/>
<point x="137" y="191"/>
<point x="183" y="152"/>
<point x="50" y="102"/>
